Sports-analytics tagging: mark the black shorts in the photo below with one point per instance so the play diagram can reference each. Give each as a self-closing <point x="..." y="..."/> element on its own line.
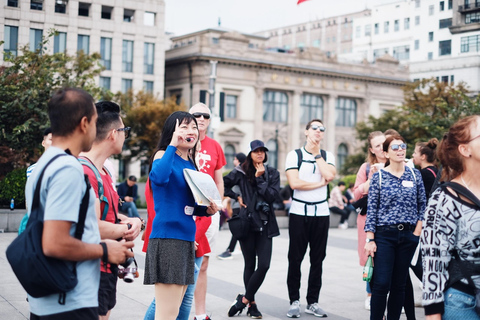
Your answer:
<point x="107" y="293"/>
<point x="79" y="314"/>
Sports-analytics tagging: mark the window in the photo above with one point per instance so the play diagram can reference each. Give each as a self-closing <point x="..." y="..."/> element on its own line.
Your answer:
<point x="61" y="6"/>
<point x="472" y="17"/>
<point x="148" y="86"/>
<point x="107" y="12"/>
<point x="148" y="57"/>
<point x="83" y="9"/>
<point x="316" y="43"/>
<point x="417" y="20"/>
<point x="60" y="42"/>
<point x="377" y="28"/>
<point x="442" y="6"/>
<point x="12" y="3"/>
<point x="385" y="26"/>
<point x="430" y="56"/>
<point x="106" y="52"/>
<point x="215" y="40"/>
<point x="377" y="53"/>
<point x="444" y="47"/>
<point x="452" y="79"/>
<point x="396" y="25"/>
<point x="272" y="147"/>
<point x="342" y="154"/>
<point x="334" y="39"/>
<point x="406" y="23"/>
<point x="230" y="153"/>
<point x="368" y="30"/>
<point x="417" y="3"/>
<point x="445" y="79"/>
<point x="346" y="110"/>
<point x="275" y="106"/>
<point x="470" y="44"/>
<point x="358" y="31"/>
<point x="36" y="37"/>
<point x="449" y="4"/>
<point x="126" y="85"/>
<point x="11" y="41"/>
<point x="431" y="10"/>
<point x="311" y="107"/>
<point x="36" y="4"/>
<point x="231" y="106"/>
<point x="417" y="44"/>
<point x="105" y="83"/>
<point x="149" y="18"/>
<point x="445" y="23"/>
<point x="328" y="39"/>
<point x="430" y="36"/>
<point x="401" y="52"/>
<point x="83" y="43"/>
<point x="128" y="15"/>
<point x="127" y="56"/>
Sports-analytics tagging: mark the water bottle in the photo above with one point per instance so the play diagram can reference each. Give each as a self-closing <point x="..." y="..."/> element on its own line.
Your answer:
<point x="368" y="269"/>
<point x="12" y="204"/>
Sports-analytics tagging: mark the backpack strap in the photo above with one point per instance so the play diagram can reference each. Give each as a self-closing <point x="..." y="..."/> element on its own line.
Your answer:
<point x="433" y="172"/>
<point x="101" y="196"/>
<point x="299" y="158"/>
<point x="463" y="191"/>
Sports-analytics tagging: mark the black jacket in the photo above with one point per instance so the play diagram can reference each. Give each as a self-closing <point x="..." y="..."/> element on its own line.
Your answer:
<point x="269" y="191"/>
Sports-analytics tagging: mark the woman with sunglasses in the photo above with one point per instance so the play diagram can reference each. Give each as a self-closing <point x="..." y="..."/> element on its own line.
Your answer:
<point x="450" y="238"/>
<point x="396" y="203"/>
<point x="170" y="258"/>
<point x="260" y="187"/>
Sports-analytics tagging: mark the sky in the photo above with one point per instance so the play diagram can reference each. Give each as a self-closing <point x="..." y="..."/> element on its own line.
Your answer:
<point x="248" y="16"/>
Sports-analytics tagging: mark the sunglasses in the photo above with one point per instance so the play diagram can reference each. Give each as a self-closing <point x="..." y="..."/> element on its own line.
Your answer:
<point x="315" y="127"/>
<point x="197" y="115"/>
<point x="395" y="147"/>
<point x="126" y="130"/>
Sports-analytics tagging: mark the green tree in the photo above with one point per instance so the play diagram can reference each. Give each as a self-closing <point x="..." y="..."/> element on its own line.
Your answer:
<point x="428" y="111"/>
<point x="26" y="84"/>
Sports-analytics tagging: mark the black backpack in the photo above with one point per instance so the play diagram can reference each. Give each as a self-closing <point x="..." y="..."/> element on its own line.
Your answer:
<point x="323" y="153"/>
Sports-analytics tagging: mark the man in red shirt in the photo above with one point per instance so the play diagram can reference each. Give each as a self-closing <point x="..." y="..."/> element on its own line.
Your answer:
<point x="210" y="159"/>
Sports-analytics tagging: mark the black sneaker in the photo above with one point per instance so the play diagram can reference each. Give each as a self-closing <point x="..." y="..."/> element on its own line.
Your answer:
<point x="237" y="306"/>
<point x="253" y="312"/>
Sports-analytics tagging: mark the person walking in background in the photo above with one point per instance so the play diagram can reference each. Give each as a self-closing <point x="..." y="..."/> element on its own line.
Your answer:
<point x="128" y="192"/>
<point x="259" y="186"/>
<point x="451" y="235"/>
<point x="170" y="258"/>
<point x="209" y="159"/>
<point x="227" y="254"/>
<point x="375" y="160"/>
<point x="308" y="170"/>
<point x="336" y="204"/>
<point x="396" y="203"/>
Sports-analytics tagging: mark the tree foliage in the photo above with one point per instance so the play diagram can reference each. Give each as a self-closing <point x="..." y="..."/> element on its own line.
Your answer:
<point x="26" y="84"/>
<point x="429" y="109"/>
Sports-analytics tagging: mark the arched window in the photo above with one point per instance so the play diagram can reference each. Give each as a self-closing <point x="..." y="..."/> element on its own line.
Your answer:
<point x="342" y="154"/>
<point x="346" y="110"/>
<point x="272" y="153"/>
<point x="229" y="156"/>
<point x="311" y="107"/>
<point x="275" y="106"/>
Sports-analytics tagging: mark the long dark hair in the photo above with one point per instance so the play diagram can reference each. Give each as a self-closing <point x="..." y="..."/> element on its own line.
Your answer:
<point x="249" y="168"/>
<point x="167" y="133"/>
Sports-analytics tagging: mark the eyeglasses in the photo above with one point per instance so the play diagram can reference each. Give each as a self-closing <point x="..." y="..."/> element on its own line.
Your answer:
<point x="395" y="147"/>
<point x="315" y="127"/>
<point x="197" y="115"/>
<point x="126" y="130"/>
<point x="474" y="138"/>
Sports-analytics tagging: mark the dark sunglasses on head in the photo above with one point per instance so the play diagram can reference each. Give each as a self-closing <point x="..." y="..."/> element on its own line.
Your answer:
<point x="315" y="127"/>
<point x="395" y="147"/>
<point x="199" y="114"/>
<point x="126" y="130"/>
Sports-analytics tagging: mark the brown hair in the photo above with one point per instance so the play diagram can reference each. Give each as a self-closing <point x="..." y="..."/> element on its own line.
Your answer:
<point x="428" y="149"/>
<point x="391" y="132"/>
<point x="371" y="157"/>
<point x="447" y="152"/>
<point x="311" y="121"/>
<point x="387" y="142"/>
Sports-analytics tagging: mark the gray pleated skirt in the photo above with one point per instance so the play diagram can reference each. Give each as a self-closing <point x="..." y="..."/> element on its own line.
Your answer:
<point x="169" y="261"/>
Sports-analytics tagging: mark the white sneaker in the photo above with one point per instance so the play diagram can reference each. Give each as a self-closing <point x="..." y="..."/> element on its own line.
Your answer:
<point x="367" y="303"/>
<point x="343" y="226"/>
<point x="315" y="309"/>
<point x="294" y="311"/>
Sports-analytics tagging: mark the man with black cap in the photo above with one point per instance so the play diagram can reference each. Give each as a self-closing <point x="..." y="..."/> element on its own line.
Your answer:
<point x="309" y="170"/>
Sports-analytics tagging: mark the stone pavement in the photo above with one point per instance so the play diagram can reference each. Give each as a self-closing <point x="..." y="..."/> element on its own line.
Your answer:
<point x="342" y="295"/>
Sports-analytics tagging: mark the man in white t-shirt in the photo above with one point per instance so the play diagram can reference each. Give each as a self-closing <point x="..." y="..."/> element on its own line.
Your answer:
<point x="308" y="175"/>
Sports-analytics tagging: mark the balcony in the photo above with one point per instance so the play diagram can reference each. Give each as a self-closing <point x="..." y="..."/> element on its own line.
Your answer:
<point x="469" y="7"/>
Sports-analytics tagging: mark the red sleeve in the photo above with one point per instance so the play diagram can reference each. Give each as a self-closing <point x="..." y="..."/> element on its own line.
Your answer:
<point x="93" y="179"/>
<point x="150" y="213"/>
<point x="221" y="161"/>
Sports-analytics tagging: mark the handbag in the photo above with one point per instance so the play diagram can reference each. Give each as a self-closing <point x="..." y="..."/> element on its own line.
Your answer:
<point x="361" y="205"/>
<point x="239" y="224"/>
<point x="39" y="275"/>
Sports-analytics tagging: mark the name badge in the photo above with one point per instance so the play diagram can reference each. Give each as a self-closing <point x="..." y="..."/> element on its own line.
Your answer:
<point x="189" y="210"/>
<point x="407" y="184"/>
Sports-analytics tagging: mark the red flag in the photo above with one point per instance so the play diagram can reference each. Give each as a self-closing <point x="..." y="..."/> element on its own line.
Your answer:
<point x="300" y="1"/>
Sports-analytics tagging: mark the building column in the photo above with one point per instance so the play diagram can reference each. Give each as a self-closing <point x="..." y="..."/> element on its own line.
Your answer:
<point x="294" y="122"/>
<point x="330" y="118"/>
<point x="258" y="113"/>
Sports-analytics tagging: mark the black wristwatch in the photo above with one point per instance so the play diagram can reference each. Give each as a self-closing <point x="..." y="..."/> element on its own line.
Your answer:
<point x="318" y="156"/>
<point x="369" y="240"/>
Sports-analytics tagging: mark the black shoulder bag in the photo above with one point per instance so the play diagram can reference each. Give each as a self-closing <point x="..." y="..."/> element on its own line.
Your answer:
<point x="39" y="275"/>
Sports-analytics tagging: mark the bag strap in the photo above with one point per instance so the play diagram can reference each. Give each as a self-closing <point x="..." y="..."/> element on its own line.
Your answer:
<point x="433" y="172"/>
<point x="463" y="191"/>
<point x="101" y="193"/>
<point x="82" y="215"/>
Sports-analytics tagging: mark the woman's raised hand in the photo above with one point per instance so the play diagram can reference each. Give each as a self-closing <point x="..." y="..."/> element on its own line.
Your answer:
<point x="176" y="136"/>
<point x="260" y="169"/>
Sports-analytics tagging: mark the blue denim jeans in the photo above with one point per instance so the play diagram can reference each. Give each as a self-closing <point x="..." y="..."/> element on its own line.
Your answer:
<point x="130" y="208"/>
<point x="184" y="311"/>
<point x="395" y="250"/>
<point x="459" y="305"/>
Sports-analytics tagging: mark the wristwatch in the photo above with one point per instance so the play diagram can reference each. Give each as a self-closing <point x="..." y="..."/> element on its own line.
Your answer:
<point x="369" y="240"/>
<point x="318" y="156"/>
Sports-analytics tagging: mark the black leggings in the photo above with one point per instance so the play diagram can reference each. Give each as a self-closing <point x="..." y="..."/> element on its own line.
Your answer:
<point x="255" y="244"/>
